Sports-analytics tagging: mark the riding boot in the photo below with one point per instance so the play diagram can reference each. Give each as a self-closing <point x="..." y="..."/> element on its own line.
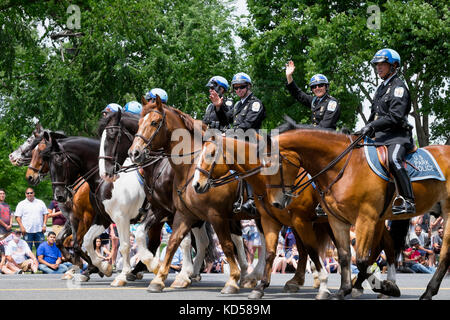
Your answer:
<point x="320" y="212"/>
<point x="404" y="202"/>
<point x="249" y="206"/>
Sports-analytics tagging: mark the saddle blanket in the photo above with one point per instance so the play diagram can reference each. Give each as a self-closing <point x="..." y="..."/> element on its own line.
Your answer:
<point x="421" y="164"/>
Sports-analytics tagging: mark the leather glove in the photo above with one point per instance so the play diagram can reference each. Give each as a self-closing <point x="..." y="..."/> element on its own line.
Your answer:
<point x="368" y="130"/>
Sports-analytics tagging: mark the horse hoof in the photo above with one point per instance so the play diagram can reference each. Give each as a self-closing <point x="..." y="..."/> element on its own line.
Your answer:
<point x="357" y="292"/>
<point x="229" y="290"/>
<point x="382" y="296"/>
<point x="336" y="296"/>
<point x="155" y="288"/>
<point x="256" y="294"/>
<point x="389" y="288"/>
<point x="67" y="276"/>
<point x="140" y="276"/>
<point x="196" y="278"/>
<point x="118" y="283"/>
<point x="323" y="295"/>
<point x="316" y="284"/>
<point x="131" y="277"/>
<point x="291" y="288"/>
<point x="180" y="284"/>
<point x="83" y="278"/>
<point x="248" y="284"/>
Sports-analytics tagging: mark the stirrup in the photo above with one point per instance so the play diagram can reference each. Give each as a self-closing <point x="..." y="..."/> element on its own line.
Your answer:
<point x="406" y="206"/>
<point x="320" y="212"/>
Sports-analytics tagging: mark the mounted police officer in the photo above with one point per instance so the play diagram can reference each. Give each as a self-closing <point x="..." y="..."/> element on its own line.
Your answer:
<point x="151" y="95"/>
<point x="133" y="107"/>
<point x="247" y="113"/>
<point x="325" y="108"/>
<point x="112" y="107"/>
<point x="218" y="86"/>
<point x="389" y="122"/>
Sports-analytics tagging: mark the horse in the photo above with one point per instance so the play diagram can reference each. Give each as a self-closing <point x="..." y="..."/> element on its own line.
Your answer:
<point x="117" y="132"/>
<point x="233" y="154"/>
<point x="351" y="193"/>
<point x="22" y="155"/>
<point x="157" y="183"/>
<point x="156" y="126"/>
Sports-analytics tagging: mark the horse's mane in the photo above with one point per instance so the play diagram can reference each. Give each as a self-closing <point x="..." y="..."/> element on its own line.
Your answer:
<point x="186" y="118"/>
<point x="291" y="125"/>
<point x="46" y="153"/>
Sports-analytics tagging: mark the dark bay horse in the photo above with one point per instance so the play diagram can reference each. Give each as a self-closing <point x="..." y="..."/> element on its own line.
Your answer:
<point x="157" y="127"/>
<point x="116" y="130"/>
<point x="353" y="194"/>
<point x="233" y="154"/>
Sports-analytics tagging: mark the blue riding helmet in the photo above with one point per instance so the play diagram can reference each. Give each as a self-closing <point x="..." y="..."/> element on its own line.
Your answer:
<point x="112" y="107"/>
<point x="218" y="81"/>
<point x="157" y="91"/>
<point x="133" y="107"/>
<point x="318" y="79"/>
<point x="386" y="55"/>
<point x="241" y="78"/>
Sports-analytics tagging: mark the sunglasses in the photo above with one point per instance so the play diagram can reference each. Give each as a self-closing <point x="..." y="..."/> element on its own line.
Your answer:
<point x="318" y="86"/>
<point x="240" y="87"/>
<point x="29" y="192"/>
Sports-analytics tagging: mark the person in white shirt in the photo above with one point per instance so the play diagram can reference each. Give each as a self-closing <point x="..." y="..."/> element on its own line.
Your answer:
<point x="31" y="215"/>
<point x="19" y="254"/>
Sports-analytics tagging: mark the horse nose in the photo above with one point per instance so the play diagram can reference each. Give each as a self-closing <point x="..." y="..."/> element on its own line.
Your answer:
<point x="134" y="155"/>
<point x="60" y="198"/>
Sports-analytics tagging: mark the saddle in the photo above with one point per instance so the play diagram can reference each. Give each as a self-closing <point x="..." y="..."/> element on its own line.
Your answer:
<point x="420" y="163"/>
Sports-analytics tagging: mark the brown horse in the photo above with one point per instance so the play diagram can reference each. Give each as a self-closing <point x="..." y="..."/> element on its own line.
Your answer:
<point x="352" y="194"/>
<point x="157" y="126"/>
<point x="233" y="154"/>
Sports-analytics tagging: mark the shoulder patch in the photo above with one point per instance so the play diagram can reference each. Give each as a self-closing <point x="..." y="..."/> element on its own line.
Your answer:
<point x="398" y="92"/>
<point x="256" y="106"/>
<point x="229" y="103"/>
<point x="332" y="106"/>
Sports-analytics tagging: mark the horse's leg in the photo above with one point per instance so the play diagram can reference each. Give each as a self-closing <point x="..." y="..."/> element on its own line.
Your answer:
<point x="123" y="229"/>
<point x="271" y="230"/>
<point x="341" y="233"/>
<point x="242" y="260"/>
<point x="298" y="280"/>
<point x="258" y="271"/>
<point x="202" y="243"/>
<point x="62" y="235"/>
<point x="183" y="278"/>
<point x="181" y="226"/>
<point x="94" y="231"/>
<point x="444" y="259"/>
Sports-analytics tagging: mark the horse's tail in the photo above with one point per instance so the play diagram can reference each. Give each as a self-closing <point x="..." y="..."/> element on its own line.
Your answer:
<point x="398" y="231"/>
<point x="211" y="254"/>
<point x="324" y="235"/>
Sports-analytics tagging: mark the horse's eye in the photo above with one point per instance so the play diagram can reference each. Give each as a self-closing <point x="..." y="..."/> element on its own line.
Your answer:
<point x="154" y="123"/>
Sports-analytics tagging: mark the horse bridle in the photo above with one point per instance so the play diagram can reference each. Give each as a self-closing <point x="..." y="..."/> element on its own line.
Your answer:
<point x="113" y="157"/>
<point x="148" y="142"/>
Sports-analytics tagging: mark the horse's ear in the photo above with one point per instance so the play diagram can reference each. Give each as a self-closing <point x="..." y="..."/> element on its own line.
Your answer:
<point x="54" y="142"/>
<point x="118" y="116"/>
<point x="46" y="136"/>
<point x="38" y="129"/>
<point x="158" y="102"/>
<point x="144" y="101"/>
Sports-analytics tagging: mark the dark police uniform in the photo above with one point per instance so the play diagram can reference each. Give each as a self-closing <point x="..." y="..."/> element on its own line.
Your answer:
<point x="247" y="114"/>
<point x="212" y="120"/>
<point x="389" y="119"/>
<point x="325" y="110"/>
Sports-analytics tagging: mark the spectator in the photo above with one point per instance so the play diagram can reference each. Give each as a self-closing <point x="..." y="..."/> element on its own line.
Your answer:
<point x="279" y="263"/>
<point x="382" y="262"/>
<point x="252" y="241"/>
<point x="101" y="250"/>
<point x="58" y="219"/>
<point x="436" y="243"/>
<point x="133" y="257"/>
<point x="18" y="253"/>
<point x="353" y="265"/>
<point x="5" y="215"/>
<point x="289" y="241"/>
<point x="414" y="260"/>
<point x="31" y="215"/>
<point x="177" y="260"/>
<point x="217" y="265"/>
<point x="49" y="256"/>
<point x="424" y="243"/>
<point x="330" y="263"/>
<point x="292" y="261"/>
<point x="114" y="237"/>
<point x="7" y="267"/>
<point x="436" y="224"/>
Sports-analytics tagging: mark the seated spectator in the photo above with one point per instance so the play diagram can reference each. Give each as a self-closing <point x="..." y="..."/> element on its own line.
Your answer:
<point x="177" y="260"/>
<point x="133" y="257"/>
<point x="49" y="256"/>
<point x="279" y="263"/>
<point x="217" y="265"/>
<point x="330" y="262"/>
<point x="292" y="261"/>
<point x="101" y="250"/>
<point x="5" y="266"/>
<point x="436" y="243"/>
<point x="353" y="265"/>
<point x="382" y="262"/>
<point x="415" y="260"/>
<point x="18" y="253"/>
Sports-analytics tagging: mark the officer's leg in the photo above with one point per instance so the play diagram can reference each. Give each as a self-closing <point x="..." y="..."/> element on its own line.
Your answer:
<point x="249" y="206"/>
<point x="404" y="203"/>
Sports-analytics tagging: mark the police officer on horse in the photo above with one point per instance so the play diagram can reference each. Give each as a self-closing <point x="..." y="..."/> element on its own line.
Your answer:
<point x="247" y="113"/>
<point x="218" y="86"/>
<point x="325" y="108"/>
<point x="388" y="121"/>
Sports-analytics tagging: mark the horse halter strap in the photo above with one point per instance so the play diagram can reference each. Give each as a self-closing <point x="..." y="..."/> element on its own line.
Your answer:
<point x="113" y="157"/>
<point x="282" y="186"/>
<point x="148" y="142"/>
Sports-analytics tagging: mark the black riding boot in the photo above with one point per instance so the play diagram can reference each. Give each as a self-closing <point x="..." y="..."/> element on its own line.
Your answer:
<point x="404" y="202"/>
<point x="249" y="206"/>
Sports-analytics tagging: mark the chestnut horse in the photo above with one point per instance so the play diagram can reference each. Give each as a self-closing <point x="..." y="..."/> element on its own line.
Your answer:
<point x="233" y="154"/>
<point x="157" y="126"/>
<point x="351" y="193"/>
